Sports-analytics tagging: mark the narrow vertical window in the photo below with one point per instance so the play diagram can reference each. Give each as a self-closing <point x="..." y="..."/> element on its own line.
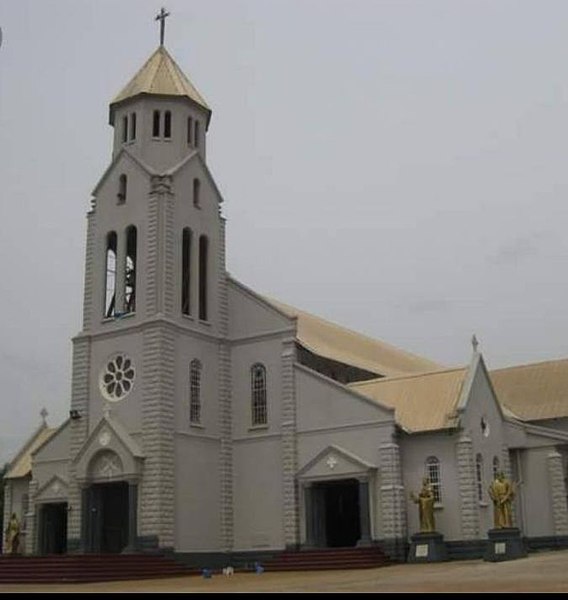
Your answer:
<point x="124" y="129"/>
<point x="189" y="130"/>
<point x="110" y="274"/>
<point x="496" y="467"/>
<point x="433" y="474"/>
<point x="186" y="271"/>
<point x="203" y="249"/>
<point x="479" y="476"/>
<point x="196" y="134"/>
<point x="156" y="124"/>
<point x="133" y="126"/>
<point x="258" y="392"/>
<point x="196" y="193"/>
<point x="168" y="124"/>
<point x="195" y="392"/>
<point x="122" y="186"/>
<point x="130" y="270"/>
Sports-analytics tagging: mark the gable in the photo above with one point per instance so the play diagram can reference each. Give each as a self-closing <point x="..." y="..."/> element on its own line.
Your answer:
<point x="251" y="315"/>
<point x="335" y="462"/>
<point x="55" y="490"/>
<point x="480" y="411"/>
<point x="192" y="166"/>
<point x="123" y="161"/>
<point x="322" y="402"/>
<point x="111" y="441"/>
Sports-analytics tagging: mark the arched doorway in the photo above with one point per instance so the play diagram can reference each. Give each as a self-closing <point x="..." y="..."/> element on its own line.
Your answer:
<point x="52" y="534"/>
<point x="335" y="513"/>
<point x="109" y="507"/>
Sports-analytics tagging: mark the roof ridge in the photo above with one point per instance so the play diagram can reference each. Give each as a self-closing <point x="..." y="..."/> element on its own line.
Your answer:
<point x="348" y="329"/>
<point x="533" y="364"/>
<point x="409" y="376"/>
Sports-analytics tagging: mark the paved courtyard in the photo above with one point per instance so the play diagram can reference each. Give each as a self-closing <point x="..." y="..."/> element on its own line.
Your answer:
<point x="543" y="572"/>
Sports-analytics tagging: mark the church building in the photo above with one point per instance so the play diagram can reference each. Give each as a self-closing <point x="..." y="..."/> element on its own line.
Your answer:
<point x="207" y="419"/>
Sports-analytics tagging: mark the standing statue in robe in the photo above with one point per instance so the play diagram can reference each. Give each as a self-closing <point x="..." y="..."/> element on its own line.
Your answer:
<point x="425" y="501"/>
<point x="502" y="492"/>
<point x="12" y="535"/>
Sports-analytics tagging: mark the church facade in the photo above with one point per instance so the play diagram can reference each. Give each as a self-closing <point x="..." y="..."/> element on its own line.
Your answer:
<point x="208" y="419"/>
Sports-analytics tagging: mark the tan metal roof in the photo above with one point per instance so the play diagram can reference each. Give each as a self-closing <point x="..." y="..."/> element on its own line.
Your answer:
<point x="535" y="391"/>
<point x="22" y="464"/>
<point x="424" y="402"/>
<point x="349" y="347"/>
<point x="161" y="75"/>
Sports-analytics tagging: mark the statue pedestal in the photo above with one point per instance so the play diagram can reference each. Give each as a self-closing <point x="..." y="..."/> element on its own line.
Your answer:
<point x="504" y="544"/>
<point x="427" y="547"/>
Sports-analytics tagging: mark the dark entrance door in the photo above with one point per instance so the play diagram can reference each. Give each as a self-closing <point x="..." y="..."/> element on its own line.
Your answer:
<point x="337" y="513"/>
<point x="53" y="528"/>
<point x="107" y="530"/>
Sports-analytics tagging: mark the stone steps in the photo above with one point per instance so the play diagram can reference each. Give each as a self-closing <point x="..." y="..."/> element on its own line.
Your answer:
<point x="329" y="558"/>
<point x="88" y="568"/>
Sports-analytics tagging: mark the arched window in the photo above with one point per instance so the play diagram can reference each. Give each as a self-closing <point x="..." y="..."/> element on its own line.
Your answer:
<point x="479" y="476"/>
<point x="203" y="250"/>
<point x="122" y="185"/>
<point x="156" y="124"/>
<point x="186" y="271"/>
<point x="195" y="391"/>
<point x="196" y="134"/>
<point x="258" y="393"/>
<point x="168" y="124"/>
<point x="496" y="467"/>
<point x="433" y="474"/>
<point x="189" y="130"/>
<point x="124" y="129"/>
<point x="110" y="274"/>
<point x="133" y="126"/>
<point x="130" y="270"/>
<point x="196" y="193"/>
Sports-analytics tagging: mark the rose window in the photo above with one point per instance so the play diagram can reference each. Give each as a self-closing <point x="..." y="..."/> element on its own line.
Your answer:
<point x="117" y="378"/>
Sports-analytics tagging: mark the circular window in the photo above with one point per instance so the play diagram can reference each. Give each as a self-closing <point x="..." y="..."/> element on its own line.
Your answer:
<point x="117" y="378"/>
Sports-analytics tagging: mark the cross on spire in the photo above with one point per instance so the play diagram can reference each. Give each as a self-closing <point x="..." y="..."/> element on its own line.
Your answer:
<point x="161" y="16"/>
<point x="474" y="342"/>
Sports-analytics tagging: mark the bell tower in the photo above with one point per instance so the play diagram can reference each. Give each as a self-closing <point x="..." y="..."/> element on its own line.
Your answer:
<point x="150" y="364"/>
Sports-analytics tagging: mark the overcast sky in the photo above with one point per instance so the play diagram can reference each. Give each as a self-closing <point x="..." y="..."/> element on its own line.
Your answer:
<point x="399" y="167"/>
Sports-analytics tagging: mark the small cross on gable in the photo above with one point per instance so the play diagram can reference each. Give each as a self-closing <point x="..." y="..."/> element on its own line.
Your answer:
<point x="331" y="462"/>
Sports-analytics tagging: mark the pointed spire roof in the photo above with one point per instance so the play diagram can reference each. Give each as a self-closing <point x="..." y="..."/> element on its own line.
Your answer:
<point x="160" y="75"/>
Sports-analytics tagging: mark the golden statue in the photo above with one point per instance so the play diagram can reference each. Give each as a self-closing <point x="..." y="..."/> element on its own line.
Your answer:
<point x="502" y="492"/>
<point x="12" y="535"/>
<point x="425" y="501"/>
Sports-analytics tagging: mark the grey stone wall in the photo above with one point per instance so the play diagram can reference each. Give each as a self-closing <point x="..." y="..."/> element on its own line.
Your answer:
<point x="289" y="446"/>
<point x="558" y="493"/>
<point x="31" y="519"/>
<point x="7" y="509"/>
<point x="225" y="403"/>
<point x="392" y="495"/>
<point x="159" y="248"/>
<point x="157" y="493"/>
<point x="79" y="427"/>
<point x="469" y="505"/>
<point x="88" y="305"/>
